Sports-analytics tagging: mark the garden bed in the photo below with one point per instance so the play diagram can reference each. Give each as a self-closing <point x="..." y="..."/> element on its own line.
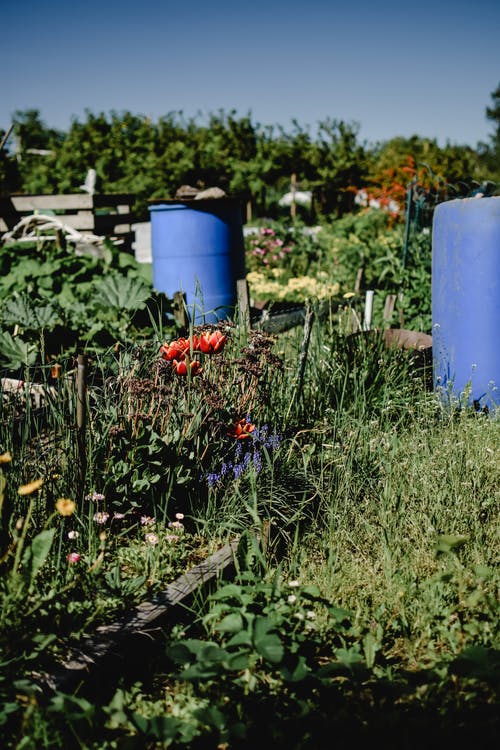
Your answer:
<point x="127" y="645"/>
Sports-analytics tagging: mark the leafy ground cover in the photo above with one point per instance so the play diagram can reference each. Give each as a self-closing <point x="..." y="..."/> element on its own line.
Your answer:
<point x="372" y="612"/>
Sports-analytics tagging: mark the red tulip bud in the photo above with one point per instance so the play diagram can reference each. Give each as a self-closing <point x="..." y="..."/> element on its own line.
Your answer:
<point x="180" y="367"/>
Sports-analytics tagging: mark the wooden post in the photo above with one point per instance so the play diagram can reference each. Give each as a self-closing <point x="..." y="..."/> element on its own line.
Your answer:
<point x="179" y="308"/>
<point x="249" y="210"/>
<point x="243" y="303"/>
<point x="357" y="283"/>
<point x="390" y="301"/>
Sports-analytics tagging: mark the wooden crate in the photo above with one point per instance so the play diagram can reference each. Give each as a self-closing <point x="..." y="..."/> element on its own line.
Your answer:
<point x="105" y="215"/>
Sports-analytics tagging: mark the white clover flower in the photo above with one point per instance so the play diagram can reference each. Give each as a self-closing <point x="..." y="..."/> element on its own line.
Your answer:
<point x="293" y="584"/>
<point x="73" y="534"/>
<point x="310" y="614"/>
<point x="292" y="599"/>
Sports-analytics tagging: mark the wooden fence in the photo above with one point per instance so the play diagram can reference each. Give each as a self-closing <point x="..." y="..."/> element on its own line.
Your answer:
<point x="103" y="215"/>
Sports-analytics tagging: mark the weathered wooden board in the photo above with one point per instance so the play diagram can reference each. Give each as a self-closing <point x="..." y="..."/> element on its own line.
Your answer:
<point x="111" y="644"/>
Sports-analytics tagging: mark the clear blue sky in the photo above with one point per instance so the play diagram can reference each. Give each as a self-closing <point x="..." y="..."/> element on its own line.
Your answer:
<point x="396" y="68"/>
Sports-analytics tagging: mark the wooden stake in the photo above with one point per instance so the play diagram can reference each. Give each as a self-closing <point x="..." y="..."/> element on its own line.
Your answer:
<point x="357" y="283"/>
<point x="243" y="303"/>
<point x="390" y="301"/>
<point x="179" y="308"/>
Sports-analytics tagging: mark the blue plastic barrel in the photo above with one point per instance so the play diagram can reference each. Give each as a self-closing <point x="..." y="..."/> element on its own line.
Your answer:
<point x="466" y="301"/>
<point x="197" y="248"/>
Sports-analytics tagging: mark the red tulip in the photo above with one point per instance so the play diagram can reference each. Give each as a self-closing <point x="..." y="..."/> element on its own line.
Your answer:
<point x="204" y="341"/>
<point x="242" y="430"/>
<point x="218" y="341"/>
<point x="211" y="343"/>
<point x="181" y="367"/>
<point x="172" y="351"/>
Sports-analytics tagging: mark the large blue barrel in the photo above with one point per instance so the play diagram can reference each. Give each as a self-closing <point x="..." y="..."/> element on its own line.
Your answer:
<point x="197" y="248"/>
<point x="466" y="301"/>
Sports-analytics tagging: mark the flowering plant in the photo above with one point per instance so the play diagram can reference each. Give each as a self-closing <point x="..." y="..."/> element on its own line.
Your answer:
<point x="268" y="248"/>
<point x="180" y="352"/>
<point x="245" y="450"/>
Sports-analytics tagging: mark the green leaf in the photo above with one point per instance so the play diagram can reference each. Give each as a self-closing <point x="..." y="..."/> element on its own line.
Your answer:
<point x="183" y="652"/>
<point x="16" y="353"/>
<point x="238" y="661"/>
<point x="212" y="653"/>
<point x="262" y="626"/>
<point x="240" y="639"/>
<point x="299" y="672"/>
<point x="210" y="716"/>
<point x="271" y="648"/>
<point x="40" y="548"/>
<point x="232" y="590"/>
<point x="230" y="624"/>
<point x="122" y="292"/>
<point x="164" y="728"/>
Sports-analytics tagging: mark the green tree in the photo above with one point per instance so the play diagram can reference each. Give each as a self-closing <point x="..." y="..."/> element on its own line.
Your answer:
<point x="340" y="166"/>
<point x="490" y="153"/>
<point x="10" y="179"/>
<point x="36" y="150"/>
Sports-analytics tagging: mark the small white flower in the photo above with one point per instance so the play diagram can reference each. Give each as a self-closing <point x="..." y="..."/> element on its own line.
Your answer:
<point x="299" y="616"/>
<point x="293" y="584"/>
<point x="73" y="534"/>
<point x="179" y="516"/>
<point x="292" y="599"/>
<point x="152" y="539"/>
<point x="310" y="614"/>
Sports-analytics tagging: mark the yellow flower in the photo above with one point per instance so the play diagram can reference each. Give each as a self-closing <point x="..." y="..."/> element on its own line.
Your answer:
<point x="65" y="506"/>
<point x="5" y="458"/>
<point x="28" y="489"/>
<point x="348" y="295"/>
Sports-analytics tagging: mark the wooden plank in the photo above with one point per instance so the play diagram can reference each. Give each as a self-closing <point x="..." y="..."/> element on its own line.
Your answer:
<point x="110" y="641"/>
<point x="70" y="201"/>
<point x="31" y="203"/>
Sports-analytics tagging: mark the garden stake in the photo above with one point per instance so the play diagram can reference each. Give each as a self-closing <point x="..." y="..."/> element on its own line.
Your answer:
<point x="81" y="419"/>
<point x="243" y="303"/>
<point x="390" y="301"/>
<point x="367" y="323"/>
<point x="179" y="308"/>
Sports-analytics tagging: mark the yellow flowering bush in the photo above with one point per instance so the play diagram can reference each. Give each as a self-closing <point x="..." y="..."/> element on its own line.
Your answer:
<point x="294" y="289"/>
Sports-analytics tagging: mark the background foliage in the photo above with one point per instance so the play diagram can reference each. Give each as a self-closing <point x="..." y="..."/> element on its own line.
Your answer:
<point x="132" y="153"/>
